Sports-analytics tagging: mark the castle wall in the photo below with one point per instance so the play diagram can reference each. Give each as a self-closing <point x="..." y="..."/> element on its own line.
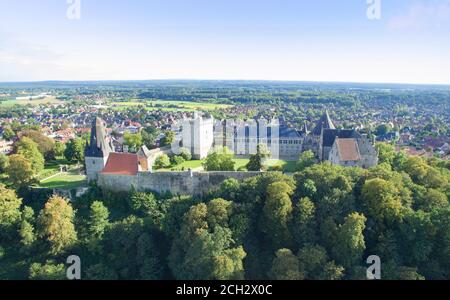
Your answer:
<point x="94" y="165"/>
<point x="177" y="183"/>
<point x="326" y="153"/>
<point x="117" y="183"/>
<point x="369" y="161"/>
<point x="290" y="149"/>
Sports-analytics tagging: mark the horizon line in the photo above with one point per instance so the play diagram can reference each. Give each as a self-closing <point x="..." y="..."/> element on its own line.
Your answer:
<point x="226" y="80"/>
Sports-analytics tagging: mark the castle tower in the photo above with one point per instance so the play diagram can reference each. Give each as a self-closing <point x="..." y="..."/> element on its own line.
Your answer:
<point x="97" y="150"/>
<point x="273" y="138"/>
<point x="313" y="140"/>
<point x="198" y="135"/>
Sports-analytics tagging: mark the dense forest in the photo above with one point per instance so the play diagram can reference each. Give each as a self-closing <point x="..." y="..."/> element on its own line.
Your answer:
<point x="322" y="223"/>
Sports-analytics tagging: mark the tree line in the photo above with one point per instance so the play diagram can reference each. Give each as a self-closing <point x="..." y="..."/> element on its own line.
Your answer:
<point x="320" y="224"/>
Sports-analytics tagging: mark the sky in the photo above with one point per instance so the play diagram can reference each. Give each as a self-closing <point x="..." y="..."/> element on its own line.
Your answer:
<point x="292" y="40"/>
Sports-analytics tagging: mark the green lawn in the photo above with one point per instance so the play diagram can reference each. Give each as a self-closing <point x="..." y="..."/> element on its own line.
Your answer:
<point x="192" y="164"/>
<point x="288" y="166"/>
<point x="52" y="167"/>
<point x="68" y="180"/>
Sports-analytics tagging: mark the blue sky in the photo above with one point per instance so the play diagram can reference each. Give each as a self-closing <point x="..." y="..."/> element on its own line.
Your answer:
<point x="317" y="40"/>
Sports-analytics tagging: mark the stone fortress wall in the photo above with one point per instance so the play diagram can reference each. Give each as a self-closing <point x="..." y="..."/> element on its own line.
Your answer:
<point x="177" y="183"/>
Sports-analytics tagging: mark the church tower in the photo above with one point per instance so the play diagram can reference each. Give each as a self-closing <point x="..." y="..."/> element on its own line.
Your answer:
<point x="97" y="150"/>
<point x="324" y="123"/>
<point x="313" y="140"/>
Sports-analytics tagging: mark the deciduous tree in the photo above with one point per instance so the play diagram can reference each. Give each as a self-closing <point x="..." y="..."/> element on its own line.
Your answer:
<point x="285" y="266"/>
<point x="75" y="150"/>
<point x="220" y="159"/>
<point x="20" y="170"/>
<point x="382" y="200"/>
<point x="4" y="162"/>
<point x="163" y="161"/>
<point x="56" y="224"/>
<point x="98" y="220"/>
<point x="45" y="144"/>
<point x="60" y="148"/>
<point x="307" y="159"/>
<point x="9" y="209"/>
<point x="29" y="149"/>
<point x="47" y="271"/>
<point x="277" y="214"/>
<point x="304" y="222"/>
<point x="133" y="141"/>
<point x="350" y="244"/>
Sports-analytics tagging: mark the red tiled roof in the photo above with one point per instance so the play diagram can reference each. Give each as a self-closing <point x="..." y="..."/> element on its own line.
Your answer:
<point x="348" y="149"/>
<point x="122" y="164"/>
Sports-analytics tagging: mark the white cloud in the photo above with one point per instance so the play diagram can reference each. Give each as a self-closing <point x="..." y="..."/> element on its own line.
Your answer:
<point x="422" y="16"/>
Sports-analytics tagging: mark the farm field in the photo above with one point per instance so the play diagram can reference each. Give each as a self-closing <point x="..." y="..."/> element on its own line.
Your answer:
<point x="167" y="105"/>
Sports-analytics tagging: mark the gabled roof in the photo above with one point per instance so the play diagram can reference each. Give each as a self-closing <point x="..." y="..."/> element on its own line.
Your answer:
<point x="348" y="149"/>
<point x="122" y="164"/>
<point x="330" y="135"/>
<point x="324" y="123"/>
<point x="366" y="147"/>
<point x="287" y="132"/>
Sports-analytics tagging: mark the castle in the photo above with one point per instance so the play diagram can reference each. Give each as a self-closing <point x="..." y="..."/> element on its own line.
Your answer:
<point x="241" y="137"/>
<point x="124" y="171"/>
<point x="340" y="147"/>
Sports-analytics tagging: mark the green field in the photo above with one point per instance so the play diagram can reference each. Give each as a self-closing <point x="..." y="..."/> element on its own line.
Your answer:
<point x="48" y="100"/>
<point x="167" y="105"/>
<point x="69" y="180"/>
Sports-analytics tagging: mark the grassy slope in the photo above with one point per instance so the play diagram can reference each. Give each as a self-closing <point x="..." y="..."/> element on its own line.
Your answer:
<point x="68" y="180"/>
